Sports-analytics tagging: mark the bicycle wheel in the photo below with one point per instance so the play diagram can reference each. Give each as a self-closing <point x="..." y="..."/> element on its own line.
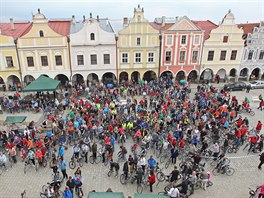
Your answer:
<point x="252" y="113"/>
<point x="139" y="188"/>
<point x="167" y="164"/>
<point x="81" y="164"/>
<point x="44" y="189"/>
<point x="230" y="171"/>
<point x="160" y="176"/>
<point x="197" y="185"/>
<point x="44" y="163"/>
<point x="163" y="158"/>
<point x="167" y="188"/>
<point x="230" y="150"/>
<point x="72" y="164"/>
<point x="109" y="173"/>
<point x="209" y="183"/>
<point x="98" y="159"/>
<point x="216" y="171"/>
<point x="247" y="144"/>
<point x="91" y="159"/>
<point x="122" y="179"/>
<point x="213" y="163"/>
<point x="42" y="195"/>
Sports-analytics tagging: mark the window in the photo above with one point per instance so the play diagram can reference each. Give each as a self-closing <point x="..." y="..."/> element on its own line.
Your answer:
<point x="92" y="38"/>
<point x="138" y="41"/>
<point x="261" y="55"/>
<point x="44" y="60"/>
<point x="210" y="56"/>
<point x="150" y="57"/>
<point x="183" y="39"/>
<point x="138" y="57"/>
<point x="124" y="58"/>
<point x="9" y="61"/>
<point x="250" y="54"/>
<point x="106" y="58"/>
<point x="182" y="56"/>
<point x="194" y="56"/>
<point x="225" y="39"/>
<point x="93" y="59"/>
<point x="223" y="55"/>
<point x="41" y="34"/>
<point x="168" y="56"/>
<point x="80" y="60"/>
<point x="169" y="39"/>
<point x="233" y="55"/>
<point x="58" y="60"/>
<point x="196" y="39"/>
<point x="30" y="61"/>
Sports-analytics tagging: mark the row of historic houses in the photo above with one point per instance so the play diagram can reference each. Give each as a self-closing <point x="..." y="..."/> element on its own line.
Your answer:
<point x="95" y="49"/>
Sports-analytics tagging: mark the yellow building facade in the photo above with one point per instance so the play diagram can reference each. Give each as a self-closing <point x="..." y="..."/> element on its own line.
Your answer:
<point x="43" y="50"/>
<point x="222" y="51"/>
<point x="138" y="49"/>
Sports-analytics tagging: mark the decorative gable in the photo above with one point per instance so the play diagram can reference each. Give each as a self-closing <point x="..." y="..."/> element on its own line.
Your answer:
<point x="183" y="24"/>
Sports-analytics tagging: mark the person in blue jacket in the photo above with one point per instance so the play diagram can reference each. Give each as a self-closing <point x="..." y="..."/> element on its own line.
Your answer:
<point x="61" y="150"/>
<point x="67" y="193"/>
<point x="152" y="162"/>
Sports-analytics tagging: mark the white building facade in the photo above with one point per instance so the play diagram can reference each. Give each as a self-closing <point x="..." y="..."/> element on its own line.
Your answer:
<point x="252" y="62"/>
<point x="93" y="51"/>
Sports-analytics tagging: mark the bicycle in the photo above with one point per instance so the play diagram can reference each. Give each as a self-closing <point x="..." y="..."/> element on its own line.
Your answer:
<point x="29" y="162"/>
<point x="141" y="186"/>
<point x="56" y="187"/>
<point x="72" y="163"/>
<point x="252" y="193"/>
<point x="226" y="170"/>
<point x="96" y="160"/>
<point x="79" y="191"/>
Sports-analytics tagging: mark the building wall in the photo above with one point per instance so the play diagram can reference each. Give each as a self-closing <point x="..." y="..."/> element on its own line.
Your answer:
<point x="215" y="43"/>
<point x="7" y="48"/>
<point x="138" y="27"/>
<point x="254" y="43"/>
<point x="50" y="45"/>
<point x="104" y="43"/>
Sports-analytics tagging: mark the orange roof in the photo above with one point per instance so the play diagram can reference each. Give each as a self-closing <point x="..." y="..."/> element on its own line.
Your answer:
<point x="19" y="29"/>
<point x="61" y="27"/>
<point x="207" y="26"/>
<point x="248" y="27"/>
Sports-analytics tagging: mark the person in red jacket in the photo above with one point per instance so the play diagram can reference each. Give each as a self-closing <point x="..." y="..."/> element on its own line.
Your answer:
<point x="152" y="180"/>
<point x="259" y="126"/>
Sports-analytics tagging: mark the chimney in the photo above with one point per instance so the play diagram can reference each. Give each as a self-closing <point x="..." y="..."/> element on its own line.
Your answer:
<point x="73" y="19"/>
<point x="176" y="18"/>
<point x="91" y="16"/>
<point x="83" y="18"/>
<point x="163" y="21"/>
<point x="125" y="21"/>
<point x="97" y="18"/>
<point x="12" y="26"/>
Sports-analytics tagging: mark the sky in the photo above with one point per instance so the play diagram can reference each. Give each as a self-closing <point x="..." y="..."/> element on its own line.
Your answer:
<point x="214" y="10"/>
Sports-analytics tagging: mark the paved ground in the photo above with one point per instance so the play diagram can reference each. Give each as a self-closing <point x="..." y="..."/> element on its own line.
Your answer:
<point x="95" y="177"/>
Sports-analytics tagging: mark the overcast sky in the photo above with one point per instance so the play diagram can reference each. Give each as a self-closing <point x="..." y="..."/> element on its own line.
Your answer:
<point x="214" y="10"/>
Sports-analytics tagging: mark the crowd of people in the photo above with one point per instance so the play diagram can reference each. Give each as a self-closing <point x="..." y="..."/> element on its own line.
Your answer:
<point x="159" y="117"/>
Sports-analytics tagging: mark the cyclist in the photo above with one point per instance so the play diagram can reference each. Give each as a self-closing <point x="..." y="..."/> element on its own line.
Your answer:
<point x="174" y="192"/>
<point x="39" y="156"/>
<point x="174" y="174"/>
<point x="67" y="192"/>
<point x="76" y="150"/>
<point x="152" y="162"/>
<point x="3" y="160"/>
<point x="114" y="165"/>
<point x="139" y="175"/>
<point x="31" y="156"/>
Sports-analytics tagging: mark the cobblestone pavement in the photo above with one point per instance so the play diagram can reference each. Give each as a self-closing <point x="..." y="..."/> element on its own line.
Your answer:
<point x="13" y="182"/>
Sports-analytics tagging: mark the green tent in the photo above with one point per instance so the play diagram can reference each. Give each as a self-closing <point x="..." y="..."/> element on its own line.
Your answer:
<point x="149" y="196"/>
<point x="15" y="119"/>
<point x="106" y="195"/>
<point x="42" y="83"/>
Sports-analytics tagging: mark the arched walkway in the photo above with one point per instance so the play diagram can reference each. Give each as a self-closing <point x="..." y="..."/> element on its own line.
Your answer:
<point x="180" y="76"/>
<point x="13" y="81"/>
<point x="2" y="80"/>
<point x="207" y="74"/>
<point x="28" y="79"/>
<point x="123" y="76"/>
<point x="62" y="78"/>
<point x="149" y="75"/>
<point x="255" y="74"/>
<point x="92" y="78"/>
<point x="135" y="76"/>
<point x="44" y="75"/>
<point x="109" y="77"/>
<point x="233" y="72"/>
<point x="167" y="74"/>
<point x="244" y="72"/>
<point x="193" y="75"/>
<point x="77" y="78"/>
<point x="221" y="73"/>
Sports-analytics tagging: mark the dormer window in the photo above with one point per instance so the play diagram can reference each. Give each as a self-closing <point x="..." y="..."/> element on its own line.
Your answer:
<point x="41" y="34"/>
<point x="92" y="37"/>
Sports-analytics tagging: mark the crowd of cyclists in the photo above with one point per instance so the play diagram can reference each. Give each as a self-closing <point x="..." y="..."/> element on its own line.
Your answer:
<point x="164" y="124"/>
